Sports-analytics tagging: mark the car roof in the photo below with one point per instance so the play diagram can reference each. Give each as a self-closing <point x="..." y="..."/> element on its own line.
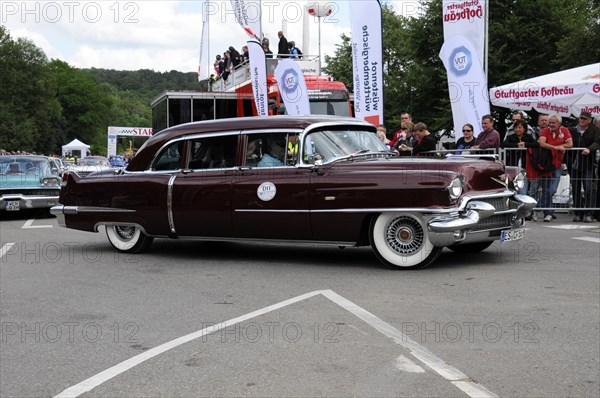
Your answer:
<point x="147" y="152"/>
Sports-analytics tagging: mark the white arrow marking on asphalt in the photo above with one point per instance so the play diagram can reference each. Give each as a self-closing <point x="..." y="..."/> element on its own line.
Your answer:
<point x="28" y="225"/>
<point x="455" y="376"/>
<point x="570" y="226"/>
<point x="406" y="365"/>
<point x="5" y="249"/>
<point x="588" y="239"/>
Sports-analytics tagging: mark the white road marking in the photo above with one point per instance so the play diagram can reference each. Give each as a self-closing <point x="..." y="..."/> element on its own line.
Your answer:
<point x="28" y="225"/>
<point x="458" y="378"/>
<point x="571" y="226"/>
<point x="406" y="365"/>
<point x="588" y="239"/>
<point x="6" y="248"/>
<point x="421" y="353"/>
<point x="116" y="370"/>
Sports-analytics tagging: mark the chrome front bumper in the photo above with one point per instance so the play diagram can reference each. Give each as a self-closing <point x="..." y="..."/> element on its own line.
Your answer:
<point x="479" y="220"/>
<point x="28" y="202"/>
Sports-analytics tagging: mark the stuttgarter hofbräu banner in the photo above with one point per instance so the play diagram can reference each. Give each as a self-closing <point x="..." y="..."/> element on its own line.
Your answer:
<point x="567" y="92"/>
<point x="462" y="55"/>
<point x="258" y="76"/>
<point x="467" y="19"/>
<point x="248" y="14"/>
<point x="367" y="60"/>
<point x="292" y="87"/>
<point x="466" y="83"/>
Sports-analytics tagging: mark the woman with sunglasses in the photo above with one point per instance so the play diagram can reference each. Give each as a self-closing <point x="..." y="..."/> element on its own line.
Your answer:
<point x="467" y="140"/>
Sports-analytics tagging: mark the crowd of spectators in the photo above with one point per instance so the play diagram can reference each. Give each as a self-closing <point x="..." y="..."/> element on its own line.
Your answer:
<point x="546" y="152"/>
<point x="231" y="58"/>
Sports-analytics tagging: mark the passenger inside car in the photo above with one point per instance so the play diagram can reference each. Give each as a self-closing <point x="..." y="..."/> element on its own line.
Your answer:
<point x="276" y="151"/>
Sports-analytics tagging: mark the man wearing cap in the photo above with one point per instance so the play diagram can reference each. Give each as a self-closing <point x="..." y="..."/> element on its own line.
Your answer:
<point x="587" y="136"/>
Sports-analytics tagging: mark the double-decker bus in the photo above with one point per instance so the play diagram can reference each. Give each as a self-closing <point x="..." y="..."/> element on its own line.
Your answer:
<point x="233" y="97"/>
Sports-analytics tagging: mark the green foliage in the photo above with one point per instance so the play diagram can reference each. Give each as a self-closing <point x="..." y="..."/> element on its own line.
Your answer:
<point x="527" y="38"/>
<point x="46" y="104"/>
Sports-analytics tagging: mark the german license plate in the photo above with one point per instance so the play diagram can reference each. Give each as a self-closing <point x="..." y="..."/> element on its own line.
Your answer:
<point x="13" y="205"/>
<point x="512" y="234"/>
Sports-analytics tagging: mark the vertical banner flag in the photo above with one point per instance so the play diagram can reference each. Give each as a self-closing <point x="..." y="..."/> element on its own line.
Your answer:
<point x="463" y="55"/>
<point x="466" y="18"/>
<point x="248" y="15"/>
<point x="367" y="60"/>
<point x="292" y="87"/>
<point x="204" y="30"/>
<point x="258" y="75"/>
<point x="466" y="83"/>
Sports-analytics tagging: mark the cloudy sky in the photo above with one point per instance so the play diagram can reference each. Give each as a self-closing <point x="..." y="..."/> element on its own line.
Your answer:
<point x="163" y="35"/>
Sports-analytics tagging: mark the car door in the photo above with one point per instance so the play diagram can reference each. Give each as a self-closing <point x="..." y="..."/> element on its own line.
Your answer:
<point x="270" y="194"/>
<point x="201" y="192"/>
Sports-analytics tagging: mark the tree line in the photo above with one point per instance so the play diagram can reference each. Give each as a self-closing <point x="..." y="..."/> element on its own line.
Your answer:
<point x="527" y="38"/>
<point x="45" y="104"/>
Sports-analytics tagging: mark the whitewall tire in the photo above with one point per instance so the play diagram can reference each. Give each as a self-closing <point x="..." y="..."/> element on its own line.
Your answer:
<point x="128" y="238"/>
<point x="401" y="241"/>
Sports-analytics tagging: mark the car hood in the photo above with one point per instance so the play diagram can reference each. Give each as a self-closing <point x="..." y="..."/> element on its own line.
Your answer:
<point x="479" y="174"/>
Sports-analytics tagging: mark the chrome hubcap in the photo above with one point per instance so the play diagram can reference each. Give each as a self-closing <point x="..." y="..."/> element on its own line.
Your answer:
<point x="405" y="235"/>
<point x="124" y="232"/>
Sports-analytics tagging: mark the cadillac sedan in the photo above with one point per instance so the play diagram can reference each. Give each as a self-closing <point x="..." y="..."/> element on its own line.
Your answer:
<point x="298" y="179"/>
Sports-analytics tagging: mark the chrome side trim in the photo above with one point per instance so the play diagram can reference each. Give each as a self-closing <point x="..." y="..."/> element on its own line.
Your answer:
<point x="170" y="203"/>
<point x="270" y="211"/>
<point x="74" y="210"/>
<point x="224" y="239"/>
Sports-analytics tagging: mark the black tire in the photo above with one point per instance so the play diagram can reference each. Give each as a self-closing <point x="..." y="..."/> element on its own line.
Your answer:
<point x="401" y="241"/>
<point x="128" y="238"/>
<point x="471" y="247"/>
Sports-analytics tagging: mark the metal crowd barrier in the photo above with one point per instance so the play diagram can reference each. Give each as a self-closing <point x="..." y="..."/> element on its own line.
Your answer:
<point x="578" y="174"/>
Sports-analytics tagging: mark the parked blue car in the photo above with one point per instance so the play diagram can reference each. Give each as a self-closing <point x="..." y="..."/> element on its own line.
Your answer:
<point x="117" y="161"/>
<point x="28" y="182"/>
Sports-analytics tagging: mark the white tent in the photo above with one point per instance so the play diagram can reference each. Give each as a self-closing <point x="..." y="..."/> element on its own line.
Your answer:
<point x="75" y="146"/>
<point x="566" y="93"/>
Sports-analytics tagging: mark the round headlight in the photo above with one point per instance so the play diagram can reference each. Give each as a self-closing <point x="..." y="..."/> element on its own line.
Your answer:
<point x="455" y="189"/>
<point x="519" y="181"/>
<point x="50" y="182"/>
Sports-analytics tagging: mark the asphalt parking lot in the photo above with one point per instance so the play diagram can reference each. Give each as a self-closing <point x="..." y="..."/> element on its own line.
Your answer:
<point x="268" y="319"/>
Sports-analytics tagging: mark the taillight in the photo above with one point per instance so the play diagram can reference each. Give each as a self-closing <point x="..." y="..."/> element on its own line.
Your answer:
<point x="65" y="177"/>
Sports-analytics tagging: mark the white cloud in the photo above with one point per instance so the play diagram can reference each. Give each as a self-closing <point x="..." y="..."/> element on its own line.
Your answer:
<point x="160" y="35"/>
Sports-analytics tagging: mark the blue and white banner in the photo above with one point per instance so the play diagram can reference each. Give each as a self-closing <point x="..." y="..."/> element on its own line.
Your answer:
<point x="258" y="76"/>
<point x="367" y="60"/>
<point x="466" y="83"/>
<point x="292" y="87"/>
<point x="466" y="18"/>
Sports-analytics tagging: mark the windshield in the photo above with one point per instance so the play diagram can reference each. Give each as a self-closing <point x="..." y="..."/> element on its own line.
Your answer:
<point x="92" y="162"/>
<point x="22" y="165"/>
<point x="327" y="145"/>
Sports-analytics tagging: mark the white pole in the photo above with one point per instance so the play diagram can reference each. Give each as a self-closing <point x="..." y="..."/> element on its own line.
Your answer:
<point x="319" y="72"/>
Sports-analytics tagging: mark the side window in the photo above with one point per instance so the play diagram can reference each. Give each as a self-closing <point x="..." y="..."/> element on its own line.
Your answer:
<point x="213" y="152"/>
<point x="170" y="157"/>
<point x="271" y="150"/>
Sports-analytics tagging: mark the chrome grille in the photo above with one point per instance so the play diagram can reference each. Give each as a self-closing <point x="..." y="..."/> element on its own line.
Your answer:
<point x="500" y="221"/>
<point x="500" y="204"/>
<point x="31" y="192"/>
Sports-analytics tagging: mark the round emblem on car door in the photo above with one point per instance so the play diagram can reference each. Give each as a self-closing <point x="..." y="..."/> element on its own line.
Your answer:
<point x="266" y="191"/>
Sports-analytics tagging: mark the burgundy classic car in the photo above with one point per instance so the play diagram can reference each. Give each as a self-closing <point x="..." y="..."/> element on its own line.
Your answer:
<point x="298" y="179"/>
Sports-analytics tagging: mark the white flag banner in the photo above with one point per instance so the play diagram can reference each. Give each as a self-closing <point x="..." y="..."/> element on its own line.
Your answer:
<point x="466" y="83"/>
<point x="258" y="76"/>
<point x="292" y="87"/>
<point x="202" y="38"/>
<point x="367" y="60"/>
<point x="248" y="15"/>
<point x="466" y="18"/>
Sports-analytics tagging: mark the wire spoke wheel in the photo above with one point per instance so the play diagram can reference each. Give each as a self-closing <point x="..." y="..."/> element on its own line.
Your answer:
<point x="128" y="238"/>
<point x="400" y="241"/>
